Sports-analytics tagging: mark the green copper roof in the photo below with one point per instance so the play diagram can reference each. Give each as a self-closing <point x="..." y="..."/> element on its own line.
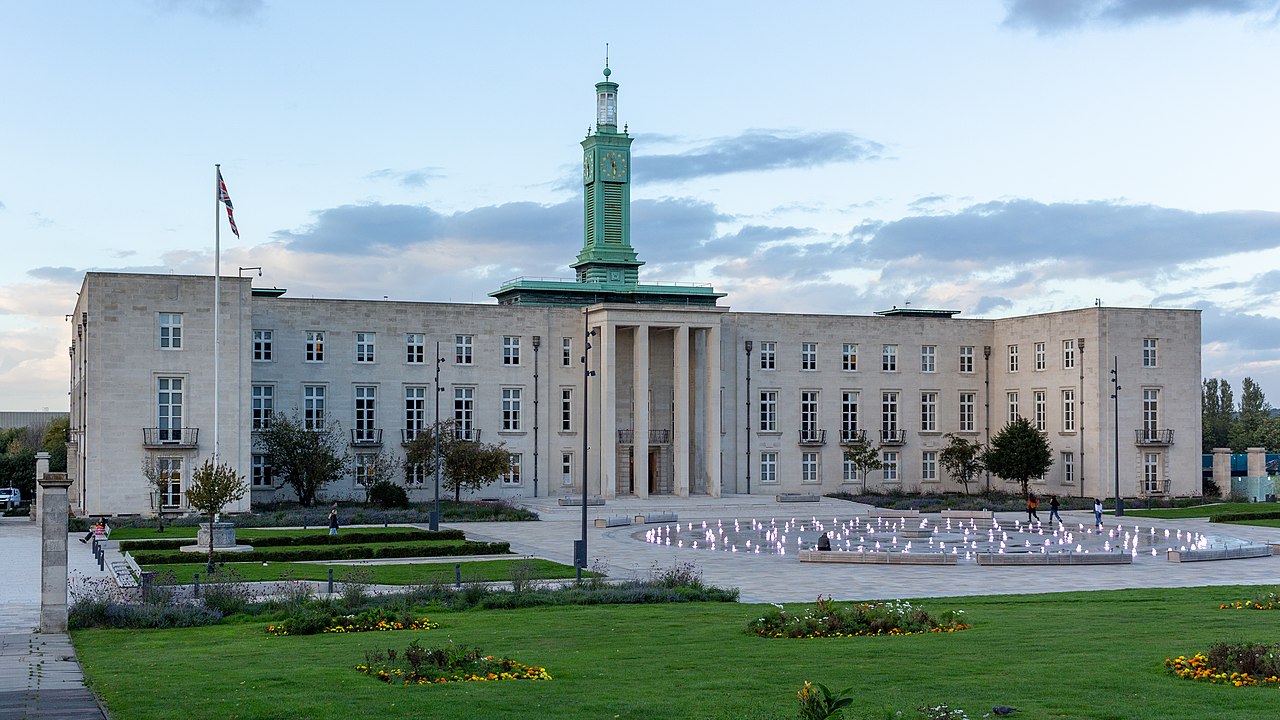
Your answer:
<point x="917" y="312"/>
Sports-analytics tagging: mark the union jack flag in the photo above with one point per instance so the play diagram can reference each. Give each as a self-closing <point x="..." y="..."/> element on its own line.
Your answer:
<point x="224" y="197"/>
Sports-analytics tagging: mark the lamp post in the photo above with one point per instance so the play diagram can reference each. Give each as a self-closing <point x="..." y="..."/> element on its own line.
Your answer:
<point x="986" y="403"/>
<point x="748" y="347"/>
<point x="580" y="551"/>
<point x="537" y="342"/>
<point x="239" y="363"/>
<point x="435" y="510"/>
<point x="1080" y="414"/>
<point x="1115" y="397"/>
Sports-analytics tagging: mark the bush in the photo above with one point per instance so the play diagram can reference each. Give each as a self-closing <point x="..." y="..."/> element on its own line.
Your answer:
<point x="386" y="494"/>
<point x="350" y="552"/>
<point x="361" y="538"/>
<point x="294" y="515"/>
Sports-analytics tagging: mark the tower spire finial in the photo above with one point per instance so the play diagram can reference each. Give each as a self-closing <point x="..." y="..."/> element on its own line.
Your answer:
<point x="607" y="72"/>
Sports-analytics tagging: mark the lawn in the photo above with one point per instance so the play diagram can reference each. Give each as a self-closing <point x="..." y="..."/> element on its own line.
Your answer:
<point x="1095" y="656"/>
<point x="1203" y="510"/>
<point x="395" y="574"/>
<point x="189" y="531"/>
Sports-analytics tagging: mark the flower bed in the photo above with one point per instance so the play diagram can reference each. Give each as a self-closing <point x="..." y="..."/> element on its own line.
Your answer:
<point x="1239" y="665"/>
<point x="426" y="666"/>
<point x="1261" y="601"/>
<point x="826" y="619"/>
<point x="368" y="621"/>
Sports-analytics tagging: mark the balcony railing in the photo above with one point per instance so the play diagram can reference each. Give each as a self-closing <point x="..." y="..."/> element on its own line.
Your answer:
<point x="813" y="437"/>
<point x="659" y="437"/>
<point x="626" y="437"/>
<point x="468" y="434"/>
<point x="893" y="437"/>
<point x="408" y="435"/>
<point x="853" y="437"/>
<point x="170" y="437"/>
<point x="366" y="437"/>
<point x="1152" y="436"/>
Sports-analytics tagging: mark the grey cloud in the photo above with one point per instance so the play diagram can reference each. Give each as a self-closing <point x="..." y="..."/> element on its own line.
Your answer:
<point x="1242" y="330"/>
<point x="57" y="274"/>
<point x="409" y="178"/>
<point x="988" y="303"/>
<point x="927" y="202"/>
<point x="757" y="150"/>
<point x="1049" y="17"/>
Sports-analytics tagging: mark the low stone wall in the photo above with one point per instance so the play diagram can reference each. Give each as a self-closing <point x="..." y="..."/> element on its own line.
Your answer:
<point x="876" y="558"/>
<point x="1235" y="553"/>
<point x="995" y="559"/>
<point x="612" y="521"/>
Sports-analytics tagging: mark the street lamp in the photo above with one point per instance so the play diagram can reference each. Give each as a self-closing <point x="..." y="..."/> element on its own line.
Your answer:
<point x="435" y="511"/>
<point x="239" y="362"/>
<point x="986" y="359"/>
<point x="748" y="347"/>
<point x="537" y="342"/>
<point x="1115" y="397"/>
<point x="1080" y="415"/>
<point x="580" y="549"/>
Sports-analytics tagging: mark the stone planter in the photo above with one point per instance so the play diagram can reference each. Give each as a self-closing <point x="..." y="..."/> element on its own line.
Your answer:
<point x="224" y="539"/>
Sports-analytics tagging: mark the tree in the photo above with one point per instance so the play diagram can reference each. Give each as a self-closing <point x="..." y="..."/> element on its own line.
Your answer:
<point x="864" y="457"/>
<point x="1250" y="429"/>
<point x="1216" y="408"/>
<point x="212" y="487"/>
<point x="159" y="479"/>
<point x="464" y="464"/>
<point x="1018" y="453"/>
<point x="306" y="459"/>
<point x="962" y="459"/>
<point x="55" y="443"/>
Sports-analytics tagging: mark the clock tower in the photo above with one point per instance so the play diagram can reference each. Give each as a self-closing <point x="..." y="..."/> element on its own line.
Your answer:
<point x="607" y="255"/>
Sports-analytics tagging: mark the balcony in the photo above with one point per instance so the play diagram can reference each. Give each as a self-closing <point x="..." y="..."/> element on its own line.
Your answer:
<point x="656" y="437"/>
<point x="408" y="435"/>
<point x="813" y="437"/>
<point x="626" y="437"/>
<point x="366" y="437"/>
<point x="466" y="433"/>
<point x="166" y="438"/>
<point x="853" y="437"/>
<point x="1153" y="437"/>
<point x="893" y="437"/>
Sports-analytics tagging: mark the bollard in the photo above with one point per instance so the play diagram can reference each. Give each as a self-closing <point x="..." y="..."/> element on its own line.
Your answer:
<point x="196" y="591"/>
<point x="457" y="575"/>
<point x="330" y="581"/>
<point x="102" y="560"/>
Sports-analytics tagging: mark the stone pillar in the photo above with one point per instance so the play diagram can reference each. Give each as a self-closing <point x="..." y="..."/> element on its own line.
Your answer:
<point x="42" y="467"/>
<point x="1222" y="470"/>
<point x="608" y="411"/>
<point x="53" y="552"/>
<point x="711" y="398"/>
<point x="680" y="431"/>
<point x="1257" y="462"/>
<point x="640" y="413"/>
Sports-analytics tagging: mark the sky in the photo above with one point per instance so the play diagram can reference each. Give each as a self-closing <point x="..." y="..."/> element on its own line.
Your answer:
<point x="995" y="157"/>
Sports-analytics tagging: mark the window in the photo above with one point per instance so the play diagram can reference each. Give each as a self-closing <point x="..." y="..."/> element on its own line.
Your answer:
<point x="566" y="469"/>
<point x="768" y="411"/>
<point x="510" y="349"/>
<point x="808" y="356"/>
<point x="929" y="411"/>
<point x="1149" y="352"/>
<point x="313" y="407"/>
<point x="415" y="350"/>
<point x="261" y="473"/>
<point x="768" y="351"/>
<point x="1012" y="397"/>
<point x="889" y="459"/>
<point x="1068" y="354"/>
<point x="769" y="468"/>
<point x="809" y="467"/>
<point x="366" y="404"/>
<point x="966" y="358"/>
<point x="415" y="474"/>
<point x="262" y="345"/>
<point x="264" y="403"/>
<point x="169" y="476"/>
<point x="512" y="475"/>
<point x="1068" y="468"/>
<point x="889" y="415"/>
<point x="849" y="416"/>
<point x="315" y="346"/>
<point x="170" y="331"/>
<point x="849" y="471"/>
<point x="566" y="409"/>
<point x="929" y="466"/>
<point x="1150" y="413"/>
<point x="415" y="412"/>
<point x="510" y="409"/>
<point x="889" y="358"/>
<point x="966" y="411"/>
<point x="1041" y="409"/>
<point x="169" y="408"/>
<point x="809" y="415"/>
<point x="1039" y="350"/>
<point x="928" y="358"/>
<point x="849" y="356"/>
<point x="464" y="410"/>
<point x="566" y="352"/>
<point x="366" y="468"/>
<point x="364" y="347"/>
<point x="1013" y="358"/>
<point x="1151" y="473"/>
<point x="1068" y="410"/>
<point x="462" y="349"/>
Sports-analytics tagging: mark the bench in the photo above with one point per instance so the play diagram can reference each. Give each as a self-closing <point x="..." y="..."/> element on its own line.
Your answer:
<point x="1233" y="553"/>
<point x="593" y="500"/>
<point x="796" y="497"/>
<point x="994" y="559"/>
<point x="612" y="521"/>
<point x="890" y="514"/>
<point x="877" y="558"/>
<point x="968" y="515"/>
<point x="656" y="517"/>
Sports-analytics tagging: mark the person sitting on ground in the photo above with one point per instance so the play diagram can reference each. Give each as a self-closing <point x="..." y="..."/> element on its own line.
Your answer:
<point x="824" y="543"/>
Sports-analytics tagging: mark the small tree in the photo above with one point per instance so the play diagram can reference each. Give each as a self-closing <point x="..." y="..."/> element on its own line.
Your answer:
<point x="307" y="459"/>
<point x="1018" y="453"/>
<point x="212" y="488"/>
<point x="465" y="464"/>
<point x="864" y="457"/>
<point x="158" y="481"/>
<point x="962" y="459"/>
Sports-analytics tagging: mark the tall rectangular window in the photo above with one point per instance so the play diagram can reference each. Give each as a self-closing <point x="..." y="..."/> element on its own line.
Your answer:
<point x="313" y="407"/>
<point x="928" y="358"/>
<point x="510" y="349"/>
<point x="1012" y="397"/>
<point x="366" y="465"/>
<point x="849" y="416"/>
<point x="929" y="466"/>
<point x="462" y="349"/>
<point x="364" y="347"/>
<point x="1041" y="409"/>
<point x="966" y="358"/>
<point x="264" y="404"/>
<point x="169" y="476"/>
<point x="889" y="461"/>
<point x="261" y="477"/>
<point x="768" y="411"/>
<point x="849" y="470"/>
<point x="769" y="467"/>
<point x="1068" y="468"/>
<point x="1151" y="473"/>
<point x="1068" y="410"/>
<point x="415" y="348"/>
<point x="566" y="409"/>
<point x="768" y="353"/>
<point x="889" y="416"/>
<point x="566" y="469"/>
<point x="809" y="467"/>
<point x="1013" y="358"/>
<point x="1039" y="355"/>
<point x="1068" y="354"/>
<point x="889" y="358"/>
<point x="464" y="399"/>
<point x="1149" y="358"/>
<point x="262" y="341"/>
<point x="929" y="411"/>
<point x="415" y="412"/>
<point x="510" y="409"/>
<point x="366" y="401"/>
<point x="809" y="414"/>
<point x="808" y="356"/>
<point x="170" y="331"/>
<point x="315" y="346"/>
<point x="512" y="476"/>
<point x="849" y="356"/>
<point x="566" y="352"/>
<point x="169" y="408"/>
<point x="967" y="423"/>
<point x="415" y="473"/>
<point x="1150" y="413"/>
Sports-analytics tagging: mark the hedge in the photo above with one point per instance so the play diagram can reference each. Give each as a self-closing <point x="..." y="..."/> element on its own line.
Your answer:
<point x="316" y="539"/>
<point x="352" y="552"/>
<point x="1233" y="517"/>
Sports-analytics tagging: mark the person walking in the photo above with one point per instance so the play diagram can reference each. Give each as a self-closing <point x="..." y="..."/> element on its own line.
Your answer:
<point x="1053" y="510"/>
<point x="1097" y="513"/>
<point x="1032" y="504"/>
<point x="333" y="519"/>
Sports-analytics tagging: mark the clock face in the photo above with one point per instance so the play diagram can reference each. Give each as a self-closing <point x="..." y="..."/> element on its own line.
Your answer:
<point x="613" y="166"/>
<point x="588" y="168"/>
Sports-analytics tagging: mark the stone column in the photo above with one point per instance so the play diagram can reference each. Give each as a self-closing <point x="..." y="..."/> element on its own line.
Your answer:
<point x="53" y="552"/>
<point x="640" y="413"/>
<point x="1222" y="470"/>
<point x="42" y="467"/>
<point x="680" y="431"/>
<point x="711" y="399"/>
<point x="1257" y="462"/>
<point x="608" y="411"/>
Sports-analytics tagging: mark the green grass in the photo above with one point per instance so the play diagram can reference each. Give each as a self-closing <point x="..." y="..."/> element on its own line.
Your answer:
<point x="399" y="574"/>
<point x="178" y="533"/>
<point x="1267" y="522"/>
<point x="1203" y="510"/>
<point x="336" y="549"/>
<point x="1067" y="656"/>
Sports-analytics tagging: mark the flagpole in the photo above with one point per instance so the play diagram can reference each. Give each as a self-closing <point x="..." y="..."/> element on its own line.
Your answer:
<point x="217" y="300"/>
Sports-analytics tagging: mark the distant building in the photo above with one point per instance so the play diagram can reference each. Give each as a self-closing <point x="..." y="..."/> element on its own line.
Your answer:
<point x="687" y="397"/>
<point x="35" y="419"/>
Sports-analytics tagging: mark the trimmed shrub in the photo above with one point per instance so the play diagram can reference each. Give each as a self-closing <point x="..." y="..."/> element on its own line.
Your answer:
<point x="316" y="539"/>
<point x="386" y="494"/>
<point x="349" y="552"/>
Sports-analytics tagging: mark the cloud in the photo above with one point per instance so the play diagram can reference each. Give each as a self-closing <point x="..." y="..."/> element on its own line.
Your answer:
<point x="2" y="205"/>
<point x="408" y="178"/>
<point x="57" y="274"/>
<point x="1050" y="17"/>
<point x="756" y="150"/>
<point x="216" y="9"/>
